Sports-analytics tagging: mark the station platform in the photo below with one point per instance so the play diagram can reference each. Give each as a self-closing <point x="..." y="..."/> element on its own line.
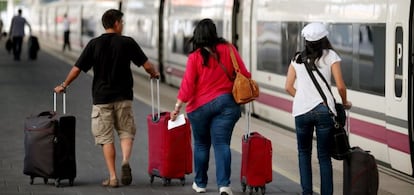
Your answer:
<point x="27" y="88"/>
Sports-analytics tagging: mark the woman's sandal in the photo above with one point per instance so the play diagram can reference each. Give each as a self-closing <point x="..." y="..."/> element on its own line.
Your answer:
<point x="113" y="183"/>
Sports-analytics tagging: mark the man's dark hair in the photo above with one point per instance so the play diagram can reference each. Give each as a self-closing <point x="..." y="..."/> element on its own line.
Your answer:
<point x="110" y="17"/>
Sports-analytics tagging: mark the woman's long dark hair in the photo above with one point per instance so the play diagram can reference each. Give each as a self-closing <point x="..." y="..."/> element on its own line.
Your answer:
<point x="205" y="35"/>
<point x="314" y="50"/>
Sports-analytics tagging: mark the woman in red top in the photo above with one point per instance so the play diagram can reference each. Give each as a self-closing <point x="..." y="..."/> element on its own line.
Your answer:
<point x="207" y="91"/>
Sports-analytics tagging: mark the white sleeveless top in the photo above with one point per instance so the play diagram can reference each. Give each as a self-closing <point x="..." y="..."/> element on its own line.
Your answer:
<point x="307" y="96"/>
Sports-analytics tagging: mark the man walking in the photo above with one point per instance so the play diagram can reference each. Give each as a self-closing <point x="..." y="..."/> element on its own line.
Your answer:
<point x="17" y="33"/>
<point x="110" y="56"/>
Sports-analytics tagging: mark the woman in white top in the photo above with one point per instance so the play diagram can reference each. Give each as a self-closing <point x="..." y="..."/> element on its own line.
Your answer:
<point x="309" y="109"/>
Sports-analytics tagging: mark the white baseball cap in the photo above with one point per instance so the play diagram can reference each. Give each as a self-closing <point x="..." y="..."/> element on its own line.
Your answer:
<point x="314" y="31"/>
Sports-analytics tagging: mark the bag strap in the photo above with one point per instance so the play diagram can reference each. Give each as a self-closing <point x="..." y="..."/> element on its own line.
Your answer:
<point x="326" y="82"/>
<point x="315" y="82"/>
<point x="233" y="59"/>
<point x="305" y="61"/>
<point x="221" y="64"/>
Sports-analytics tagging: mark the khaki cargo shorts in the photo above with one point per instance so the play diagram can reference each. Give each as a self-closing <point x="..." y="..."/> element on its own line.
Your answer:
<point x="108" y="118"/>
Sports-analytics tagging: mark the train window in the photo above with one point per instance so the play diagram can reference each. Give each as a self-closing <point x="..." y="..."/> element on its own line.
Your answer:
<point x="341" y="38"/>
<point x="276" y="44"/>
<point x="182" y="31"/>
<point x="88" y="26"/>
<point x="371" y="58"/>
<point x="144" y="34"/>
<point x="362" y="50"/>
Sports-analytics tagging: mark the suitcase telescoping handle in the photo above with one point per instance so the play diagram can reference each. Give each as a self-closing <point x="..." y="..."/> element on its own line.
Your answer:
<point x="155" y="118"/>
<point x="63" y="102"/>
<point x="348" y="122"/>
<point x="248" y="117"/>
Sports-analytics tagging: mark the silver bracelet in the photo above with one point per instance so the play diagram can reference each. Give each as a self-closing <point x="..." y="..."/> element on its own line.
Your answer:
<point x="63" y="85"/>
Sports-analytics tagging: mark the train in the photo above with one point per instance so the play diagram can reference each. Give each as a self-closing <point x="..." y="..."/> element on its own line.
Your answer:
<point x="375" y="39"/>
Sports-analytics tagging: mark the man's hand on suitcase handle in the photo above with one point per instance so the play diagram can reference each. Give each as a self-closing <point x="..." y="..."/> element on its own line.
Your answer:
<point x="155" y="75"/>
<point x="72" y="75"/>
<point x="61" y="88"/>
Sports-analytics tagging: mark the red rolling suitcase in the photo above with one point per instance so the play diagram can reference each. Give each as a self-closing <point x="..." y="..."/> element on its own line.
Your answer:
<point x="169" y="150"/>
<point x="256" y="167"/>
<point x="49" y="144"/>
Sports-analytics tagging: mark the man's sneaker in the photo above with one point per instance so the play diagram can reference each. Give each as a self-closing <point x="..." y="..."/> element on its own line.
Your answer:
<point x="126" y="176"/>
<point x="225" y="191"/>
<point x="198" y="189"/>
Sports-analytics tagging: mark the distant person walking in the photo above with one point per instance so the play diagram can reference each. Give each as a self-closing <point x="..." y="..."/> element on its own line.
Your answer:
<point x="17" y="33"/>
<point x="110" y="56"/>
<point x="1" y="28"/>
<point x="66" y="32"/>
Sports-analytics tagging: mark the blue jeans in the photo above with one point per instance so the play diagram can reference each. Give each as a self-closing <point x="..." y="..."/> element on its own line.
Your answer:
<point x="321" y="119"/>
<point x="212" y="124"/>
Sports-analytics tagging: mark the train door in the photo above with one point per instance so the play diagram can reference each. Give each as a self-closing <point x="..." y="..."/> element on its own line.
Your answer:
<point x="411" y="85"/>
<point x="161" y="40"/>
<point x="243" y="30"/>
<point x="82" y="24"/>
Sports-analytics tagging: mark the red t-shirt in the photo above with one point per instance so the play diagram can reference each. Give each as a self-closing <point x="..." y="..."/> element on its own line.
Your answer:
<point x="201" y="84"/>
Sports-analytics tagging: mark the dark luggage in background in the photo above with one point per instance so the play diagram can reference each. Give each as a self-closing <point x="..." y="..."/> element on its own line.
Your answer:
<point x="256" y="165"/>
<point x="49" y="144"/>
<point x="169" y="151"/>
<point x="360" y="173"/>
<point x="9" y="45"/>
<point x="33" y="46"/>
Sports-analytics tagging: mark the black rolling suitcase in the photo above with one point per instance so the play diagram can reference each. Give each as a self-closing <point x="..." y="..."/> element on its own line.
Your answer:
<point x="9" y="45"/>
<point x="33" y="47"/>
<point x="49" y="145"/>
<point x="360" y="173"/>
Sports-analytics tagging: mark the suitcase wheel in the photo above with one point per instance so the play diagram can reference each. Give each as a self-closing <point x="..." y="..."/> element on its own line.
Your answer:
<point x="250" y="190"/>
<point x="57" y="183"/>
<point x="32" y="180"/>
<point x="256" y="189"/>
<point x="71" y="182"/>
<point x="166" y="181"/>
<point x="263" y="189"/>
<point x="243" y="187"/>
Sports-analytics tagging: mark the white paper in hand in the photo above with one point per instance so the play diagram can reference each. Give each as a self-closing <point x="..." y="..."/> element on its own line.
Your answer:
<point x="180" y="120"/>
